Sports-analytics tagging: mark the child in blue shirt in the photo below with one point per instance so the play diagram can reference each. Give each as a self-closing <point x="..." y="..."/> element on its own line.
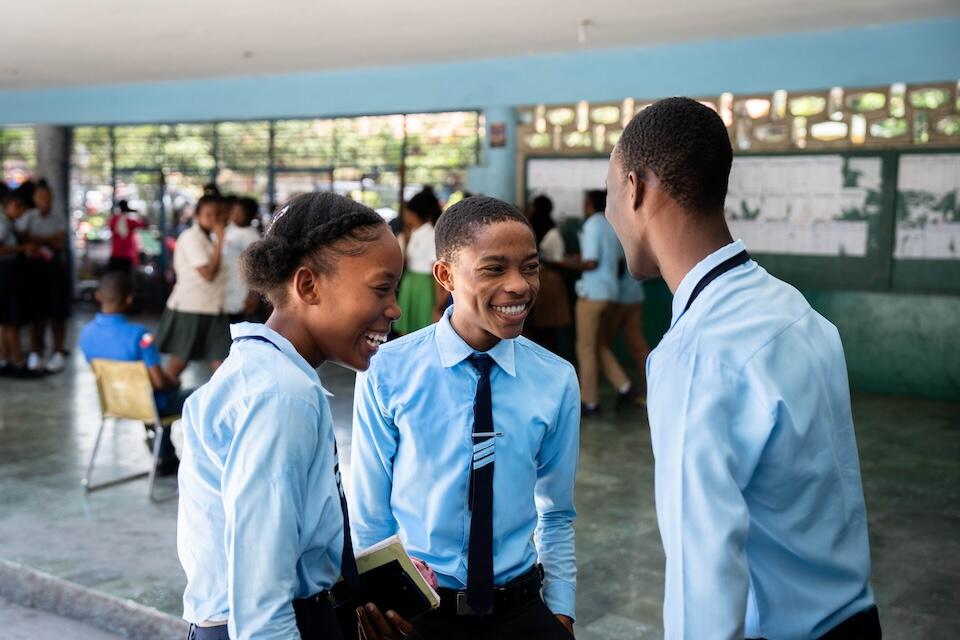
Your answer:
<point x="111" y="336"/>
<point x="466" y="438"/>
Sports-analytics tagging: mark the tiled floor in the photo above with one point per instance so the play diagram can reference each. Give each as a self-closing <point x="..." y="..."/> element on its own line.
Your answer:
<point x="119" y="542"/>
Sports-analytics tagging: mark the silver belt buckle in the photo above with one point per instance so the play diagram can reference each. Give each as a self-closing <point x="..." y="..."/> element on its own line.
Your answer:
<point x="464" y="609"/>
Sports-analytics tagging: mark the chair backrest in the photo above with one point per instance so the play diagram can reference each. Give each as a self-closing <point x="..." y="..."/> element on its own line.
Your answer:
<point x="125" y="390"/>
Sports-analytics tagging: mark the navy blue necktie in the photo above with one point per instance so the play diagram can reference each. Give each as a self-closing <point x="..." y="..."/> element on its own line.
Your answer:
<point x="348" y="563"/>
<point x="480" y="555"/>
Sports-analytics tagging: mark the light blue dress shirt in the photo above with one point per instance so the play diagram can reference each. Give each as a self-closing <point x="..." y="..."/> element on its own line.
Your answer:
<point x="758" y="489"/>
<point x="260" y="521"/>
<point x="629" y="290"/>
<point x="599" y="242"/>
<point x="413" y="450"/>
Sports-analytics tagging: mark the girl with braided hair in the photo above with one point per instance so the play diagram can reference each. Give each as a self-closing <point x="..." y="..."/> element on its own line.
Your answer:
<point x="263" y="530"/>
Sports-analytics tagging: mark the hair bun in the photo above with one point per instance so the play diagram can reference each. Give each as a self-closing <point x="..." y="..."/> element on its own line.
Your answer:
<point x="267" y="262"/>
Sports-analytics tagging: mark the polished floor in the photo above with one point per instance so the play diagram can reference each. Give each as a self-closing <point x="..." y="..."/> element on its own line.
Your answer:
<point x="119" y="542"/>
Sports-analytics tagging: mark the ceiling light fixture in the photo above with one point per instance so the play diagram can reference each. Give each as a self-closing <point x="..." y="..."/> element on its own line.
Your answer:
<point x="582" y="25"/>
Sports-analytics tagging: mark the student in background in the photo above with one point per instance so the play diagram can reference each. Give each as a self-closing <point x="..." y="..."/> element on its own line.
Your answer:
<point x="421" y="301"/>
<point x="124" y="246"/>
<point x="597" y="291"/>
<point x="15" y="308"/>
<point x="758" y="490"/>
<point x="551" y="312"/>
<point x="239" y="302"/>
<point x="111" y="336"/>
<point x="194" y="325"/>
<point x="263" y="530"/>
<point x="50" y="279"/>
<point x="626" y="319"/>
<point x="465" y="442"/>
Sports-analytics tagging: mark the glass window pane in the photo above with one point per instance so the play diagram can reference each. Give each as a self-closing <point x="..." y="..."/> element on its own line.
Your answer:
<point x="243" y="144"/>
<point x="138" y="146"/>
<point x="304" y="143"/>
<point x="18" y="152"/>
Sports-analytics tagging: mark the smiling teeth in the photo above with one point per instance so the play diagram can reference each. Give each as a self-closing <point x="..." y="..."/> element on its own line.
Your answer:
<point x="512" y="310"/>
<point x="375" y="339"/>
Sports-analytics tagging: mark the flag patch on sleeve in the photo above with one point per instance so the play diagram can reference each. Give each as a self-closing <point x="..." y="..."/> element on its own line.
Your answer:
<point x="146" y="340"/>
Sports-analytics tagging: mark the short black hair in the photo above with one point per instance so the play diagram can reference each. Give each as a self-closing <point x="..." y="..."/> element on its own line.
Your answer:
<point x="115" y="287"/>
<point x="597" y="199"/>
<point x="251" y="208"/>
<point x="310" y="229"/>
<point x="686" y="145"/>
<point x="425" y="205"/>
<point x="458" y="226"/>
<point x="540" y="216"/>
<point x="206" y="199"/>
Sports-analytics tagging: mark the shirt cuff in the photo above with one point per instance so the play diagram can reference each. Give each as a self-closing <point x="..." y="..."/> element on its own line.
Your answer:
<point x="560" y="597"/>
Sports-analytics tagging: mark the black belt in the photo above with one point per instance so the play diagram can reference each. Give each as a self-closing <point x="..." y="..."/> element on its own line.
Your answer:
<point x="860" y="626"/>
<point x="315" y="619"/>
<point x="513" y="596"/>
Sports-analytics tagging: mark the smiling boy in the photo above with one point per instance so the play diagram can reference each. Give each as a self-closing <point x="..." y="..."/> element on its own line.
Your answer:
<point x="465" y="441"/>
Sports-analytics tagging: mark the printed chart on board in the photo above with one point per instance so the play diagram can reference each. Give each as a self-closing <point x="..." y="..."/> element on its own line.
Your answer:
<point x="818" y="205"/>
<point x="928" y="207"/>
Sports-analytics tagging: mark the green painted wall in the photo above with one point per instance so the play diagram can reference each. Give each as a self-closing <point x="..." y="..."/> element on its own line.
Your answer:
<point x="898" y="343"/>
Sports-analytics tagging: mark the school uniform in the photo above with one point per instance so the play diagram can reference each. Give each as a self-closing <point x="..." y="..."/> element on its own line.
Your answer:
<point x="758" y="490"/>
<point x="235" y="241"/>
<point x="15" y="308"/>
<point x="470" y="457"/>
<point x="260" y="527"/>
<point x="417" y="290"/>
<point x="551" y="309"/>
<point x="194" y="325"/>
<point x="48" y="273"/>
<point x="597" y="290"/>
<point x="111" y="336"/>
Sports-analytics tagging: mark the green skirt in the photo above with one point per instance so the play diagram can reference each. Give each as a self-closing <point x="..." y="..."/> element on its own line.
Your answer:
<point x="416" y="301"/>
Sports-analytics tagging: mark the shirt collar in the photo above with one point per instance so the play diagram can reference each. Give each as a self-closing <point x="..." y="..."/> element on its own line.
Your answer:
<point x="453" y="350"/>
<point x="243" y="329"/>
<point x="110" y="317"/>
<point x="694" y="276"/>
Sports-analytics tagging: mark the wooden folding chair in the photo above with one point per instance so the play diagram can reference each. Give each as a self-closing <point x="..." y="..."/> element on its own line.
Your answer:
<point x="126" y="394"/>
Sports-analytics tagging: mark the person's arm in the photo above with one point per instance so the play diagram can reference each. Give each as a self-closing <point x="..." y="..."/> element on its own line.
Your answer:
<point x="556" y="473"/>
<point x="701" y="510"/>
<point x="373" y="448"/>
<point x="210" y="269"/>
<point x="589" y="257"/>
<point x="159" y="379"/>
<point x="265" y="487"/>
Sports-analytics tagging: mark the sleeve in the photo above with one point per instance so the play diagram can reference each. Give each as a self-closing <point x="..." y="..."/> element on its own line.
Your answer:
<point x="701" y="510"/>
<point x="556" y="472"/>
<point x="590" y="242"/>
<point x="264" y="487"/>
<point x="147" y="348"/>
<point x="193" y="248"/>
<point x="373" y="448"/>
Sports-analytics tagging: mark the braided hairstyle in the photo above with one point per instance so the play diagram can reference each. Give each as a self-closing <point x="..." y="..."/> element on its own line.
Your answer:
<point x="311" y="229"/>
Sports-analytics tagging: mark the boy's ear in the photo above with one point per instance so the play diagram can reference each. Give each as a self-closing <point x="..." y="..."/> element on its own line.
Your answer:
<point x="128" y="301"/>
<point x="637" y="189"/>
<point x="443" y="273"/>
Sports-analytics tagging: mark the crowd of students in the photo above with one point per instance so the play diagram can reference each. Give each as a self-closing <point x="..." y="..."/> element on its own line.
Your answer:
<point x="465" y="437"/>
<point x="466" y="434"/>
<point x="35" y="290"/>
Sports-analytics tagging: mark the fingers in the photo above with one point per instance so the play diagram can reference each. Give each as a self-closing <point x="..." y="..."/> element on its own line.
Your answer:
<point x="376" y="626"/>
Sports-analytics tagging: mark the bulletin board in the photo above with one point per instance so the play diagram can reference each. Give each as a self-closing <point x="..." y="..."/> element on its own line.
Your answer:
<point x="816" y="220"/>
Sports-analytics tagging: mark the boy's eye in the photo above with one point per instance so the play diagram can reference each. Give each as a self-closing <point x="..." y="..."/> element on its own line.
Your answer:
<point x="533" y="266"/>
<point x="493" y="269"/>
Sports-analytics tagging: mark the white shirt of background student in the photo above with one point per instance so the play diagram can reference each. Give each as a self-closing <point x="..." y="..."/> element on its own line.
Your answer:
<point x="238" y="236"/>
<point x="421" y="250"/>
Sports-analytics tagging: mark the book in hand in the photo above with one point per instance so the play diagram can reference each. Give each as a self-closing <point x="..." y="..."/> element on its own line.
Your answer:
<point x="389" y="580"/>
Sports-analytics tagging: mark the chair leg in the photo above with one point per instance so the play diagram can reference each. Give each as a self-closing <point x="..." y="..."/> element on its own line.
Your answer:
<point x="158" y="433"/>
<point x="93" y="455"/>
<point x="86" y="482"/>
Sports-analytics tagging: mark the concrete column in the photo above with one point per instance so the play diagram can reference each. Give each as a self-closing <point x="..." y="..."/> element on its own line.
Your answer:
<point x="497" y="175"/>
<point x="53" y="164"/>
